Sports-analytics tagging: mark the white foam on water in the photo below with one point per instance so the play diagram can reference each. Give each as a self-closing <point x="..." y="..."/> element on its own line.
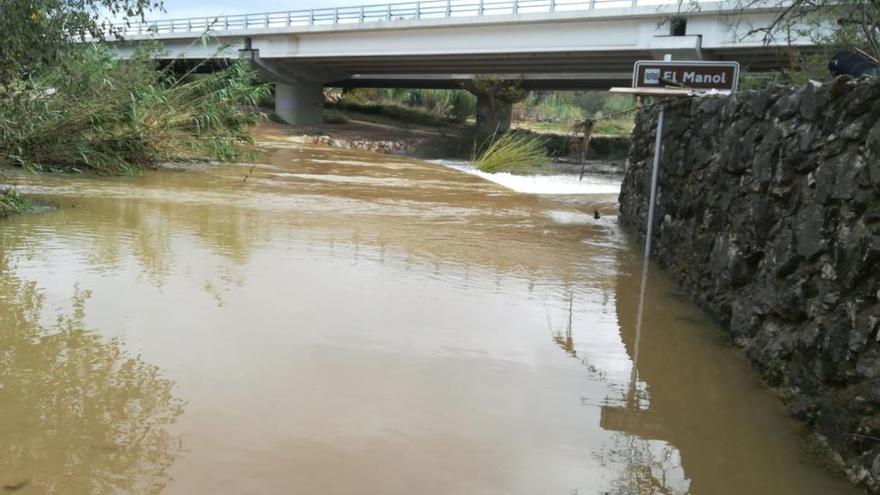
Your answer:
<point x="570" y="217"/>
<point x="542" y="184"/>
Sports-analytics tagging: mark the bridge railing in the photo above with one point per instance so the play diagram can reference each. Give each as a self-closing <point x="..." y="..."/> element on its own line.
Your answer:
<point x="388" y="12"/>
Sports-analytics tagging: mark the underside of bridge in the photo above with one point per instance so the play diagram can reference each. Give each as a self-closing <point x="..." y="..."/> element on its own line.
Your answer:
<point x="299" y="79"/>
<point x="537" y="70"/>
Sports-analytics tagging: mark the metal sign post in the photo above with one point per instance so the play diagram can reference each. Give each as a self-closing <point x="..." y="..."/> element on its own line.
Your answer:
<point x="668" y="78"/>
<point x="676" y="78"/>
<point x="655" y="172"/>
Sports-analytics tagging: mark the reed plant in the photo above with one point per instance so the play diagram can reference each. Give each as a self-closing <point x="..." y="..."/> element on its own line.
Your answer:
<point x="512" y="152"/>
<point x="95" y="112"/>
<point x="12" y="202"/>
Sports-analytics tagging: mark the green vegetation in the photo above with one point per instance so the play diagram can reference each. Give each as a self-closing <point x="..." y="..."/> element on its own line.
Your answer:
<point x="512" y="152"/>
<point x="12" y="202"/>
<point x="551" y="128"/>
<point x="113" y="116"/>
<point x="620" y="126"/>
<point x="72" y="106"/>
<point x="551" y="107"/>
<point x="540" y="111"/>
<point x="417" y="106"/>
<point x="36" y="33"/>
<point x="390" y="114"/>
<point x="334" y="116"/>
<point x="558" y="111"/>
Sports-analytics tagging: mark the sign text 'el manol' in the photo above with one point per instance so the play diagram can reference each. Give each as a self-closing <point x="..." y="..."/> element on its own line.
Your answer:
<point x="696" y="74"/>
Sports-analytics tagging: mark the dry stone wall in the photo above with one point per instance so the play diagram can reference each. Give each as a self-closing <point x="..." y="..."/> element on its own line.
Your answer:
<point x="769" y="216"/>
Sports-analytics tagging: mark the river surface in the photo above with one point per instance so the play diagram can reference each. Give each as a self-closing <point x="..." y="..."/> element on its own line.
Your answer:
<point x="347" y="323"/>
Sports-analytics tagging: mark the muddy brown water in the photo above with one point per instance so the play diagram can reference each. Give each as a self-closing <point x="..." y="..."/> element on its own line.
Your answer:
<point x="346" y="323"/>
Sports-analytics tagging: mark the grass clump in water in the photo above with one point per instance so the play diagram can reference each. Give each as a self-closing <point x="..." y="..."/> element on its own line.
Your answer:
<point x="512" y="152"/>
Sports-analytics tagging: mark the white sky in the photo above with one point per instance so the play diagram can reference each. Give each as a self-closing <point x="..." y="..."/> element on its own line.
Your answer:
<point x="199" y="8"/>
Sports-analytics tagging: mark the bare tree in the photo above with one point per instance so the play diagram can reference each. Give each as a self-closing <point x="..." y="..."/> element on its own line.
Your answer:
<point x="853" y="23"/>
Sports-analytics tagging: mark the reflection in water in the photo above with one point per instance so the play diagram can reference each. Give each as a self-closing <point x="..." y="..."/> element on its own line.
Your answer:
<point x="649" y="467"/>
<point x="644" y="462"/>
<point x="77" y="414"/>
<point x="692" y="417"/>
<point x="565" y="341"/>
<point x="346" y="323"/>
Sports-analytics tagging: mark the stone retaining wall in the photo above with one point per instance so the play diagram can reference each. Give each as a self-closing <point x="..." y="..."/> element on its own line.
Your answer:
<point x="769" y="215"/>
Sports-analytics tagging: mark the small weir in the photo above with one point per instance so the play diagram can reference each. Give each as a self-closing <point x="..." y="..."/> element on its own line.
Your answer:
<point x="544" y="184"/>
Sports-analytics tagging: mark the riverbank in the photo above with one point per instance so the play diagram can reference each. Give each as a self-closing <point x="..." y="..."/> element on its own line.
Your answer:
<point x="435" y="139"/>
<point x="769" y="216"/>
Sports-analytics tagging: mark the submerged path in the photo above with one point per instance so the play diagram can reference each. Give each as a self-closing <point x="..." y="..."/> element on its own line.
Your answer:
<point x="347" y="323"/>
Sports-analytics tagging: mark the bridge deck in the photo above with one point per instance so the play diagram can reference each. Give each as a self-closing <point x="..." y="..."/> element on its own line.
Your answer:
<point x="380" y="15"/>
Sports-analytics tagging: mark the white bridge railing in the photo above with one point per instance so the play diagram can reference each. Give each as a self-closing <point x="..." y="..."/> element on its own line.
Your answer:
<point x="389" y="12"/>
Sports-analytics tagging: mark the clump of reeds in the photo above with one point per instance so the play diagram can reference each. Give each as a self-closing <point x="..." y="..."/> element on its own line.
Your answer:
<point x="512" y="152"/>
<point x="115" y="116"/>
<point x="12" y="202"/>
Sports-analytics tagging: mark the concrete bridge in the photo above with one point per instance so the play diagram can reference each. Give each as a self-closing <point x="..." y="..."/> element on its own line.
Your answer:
<point x="543" y="44"/>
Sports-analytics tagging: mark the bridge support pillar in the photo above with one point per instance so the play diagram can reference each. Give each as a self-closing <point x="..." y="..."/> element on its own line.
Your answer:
<point x="299" y="102"/>
<point x="495" y="99"/>
<point x="493" y="115"/>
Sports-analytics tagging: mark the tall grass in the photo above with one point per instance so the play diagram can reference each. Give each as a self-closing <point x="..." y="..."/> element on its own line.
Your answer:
<point x="11" y="202"/>
<point x="512" y="152"/>
<point x="115" y="116"/>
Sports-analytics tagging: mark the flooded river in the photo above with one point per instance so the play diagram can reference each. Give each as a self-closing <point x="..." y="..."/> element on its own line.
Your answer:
<point x="347" y="323"/>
